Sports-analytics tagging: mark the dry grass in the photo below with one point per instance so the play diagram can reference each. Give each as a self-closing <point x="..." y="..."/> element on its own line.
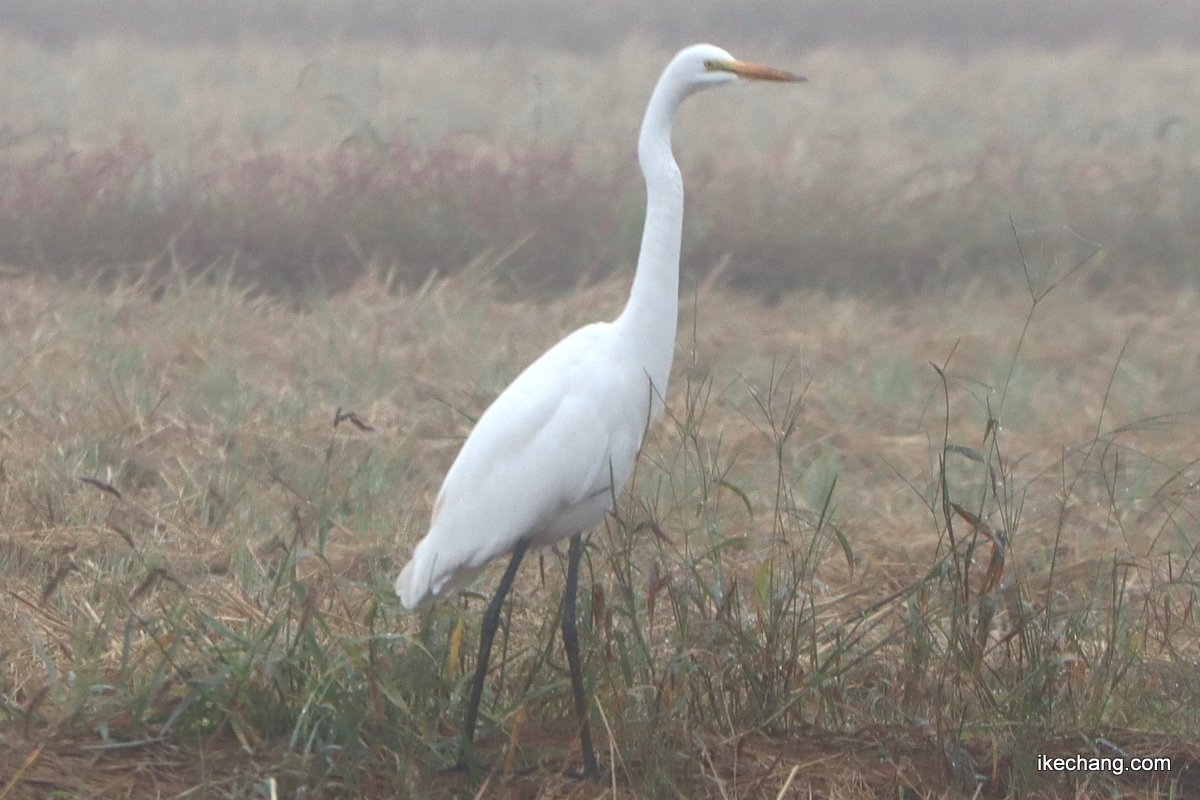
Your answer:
<point x="211" y="607"/>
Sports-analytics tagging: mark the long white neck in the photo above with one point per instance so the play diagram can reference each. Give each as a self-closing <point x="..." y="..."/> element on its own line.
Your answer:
<point x="648" y="322"/>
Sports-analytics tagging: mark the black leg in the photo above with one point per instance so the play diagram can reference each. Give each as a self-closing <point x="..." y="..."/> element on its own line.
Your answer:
<point x="570" y="632"/>
<point x="491" y="621"/>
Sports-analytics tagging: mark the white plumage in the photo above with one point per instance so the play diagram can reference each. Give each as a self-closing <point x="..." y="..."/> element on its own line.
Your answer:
<point x="541" y="463"/>
<point x="548" y="457"/>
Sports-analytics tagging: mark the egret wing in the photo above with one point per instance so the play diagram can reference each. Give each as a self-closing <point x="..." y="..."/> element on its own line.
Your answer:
<point x="547" y="456"/>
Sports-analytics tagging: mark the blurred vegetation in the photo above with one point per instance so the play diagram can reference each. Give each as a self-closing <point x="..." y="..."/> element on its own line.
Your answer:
<point x="892" y="171"/>
<point x="947" y="24"/>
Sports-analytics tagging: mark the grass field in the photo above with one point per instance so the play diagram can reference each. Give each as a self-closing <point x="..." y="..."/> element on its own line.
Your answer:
<point x="197" y="560"/>
<point x="926" y="505"/>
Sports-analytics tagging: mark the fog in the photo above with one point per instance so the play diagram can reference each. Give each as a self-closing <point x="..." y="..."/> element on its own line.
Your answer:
<point x="134" y="128"/>
<point x="788" y="24"/>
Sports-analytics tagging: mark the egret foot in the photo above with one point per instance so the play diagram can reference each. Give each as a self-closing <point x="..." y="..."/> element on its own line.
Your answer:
<point x="467" y="760"/>
<point x="570" y="634"/>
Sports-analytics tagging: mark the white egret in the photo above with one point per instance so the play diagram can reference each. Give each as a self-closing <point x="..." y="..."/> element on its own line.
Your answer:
<point x="548" y="457"/>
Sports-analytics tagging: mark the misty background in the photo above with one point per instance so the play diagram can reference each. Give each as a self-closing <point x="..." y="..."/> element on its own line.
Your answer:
<point x="786" y="24"/>
<point x="292" y="142"/>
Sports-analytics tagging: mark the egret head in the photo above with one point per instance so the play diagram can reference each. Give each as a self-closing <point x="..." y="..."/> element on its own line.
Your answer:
<point x="703" y="65"/>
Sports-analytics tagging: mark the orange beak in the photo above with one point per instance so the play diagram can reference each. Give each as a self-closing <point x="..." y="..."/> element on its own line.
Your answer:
<point x="754" y="72"/>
